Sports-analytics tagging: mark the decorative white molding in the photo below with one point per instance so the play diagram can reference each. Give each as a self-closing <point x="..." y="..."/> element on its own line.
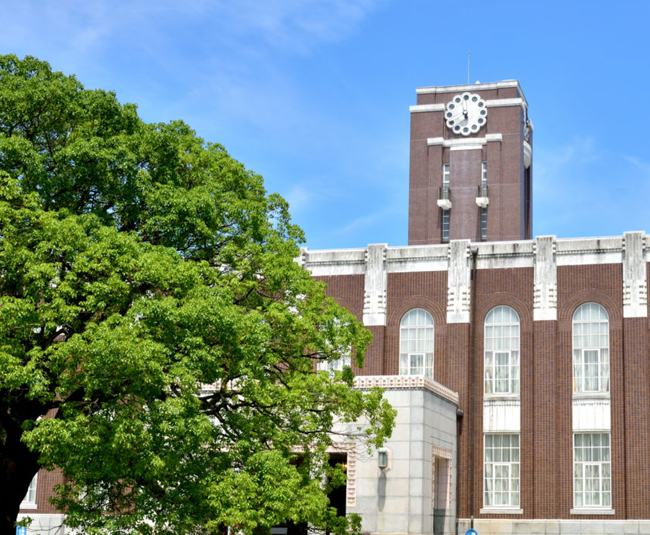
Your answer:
<point x="458" y="282"/>
<point x="417" y="258"/>
<point x="419" y="108"/>
<point x="494" y="137"/>
<point x="501" y="415"/>
<point x="582" y="251"/>
<point x="351" y="485"/>
<point x="635" y="283"/>
<point x="501" y="511"/>
<point x="376" y="283"/>
<point x="470" y="87"/>
<point x="441" y="453"/>
<point x="397" y="382"/>
<point x="505" y="102"/>
<point x="591" y="414"/>
<point x="482" y="202"/>
<point x="328" y="262"/>
<point x="504" y="254"/>
<point x="445" y="204"/>
<point x="465" y="143"/>
<point x="545" y="280"/>
<point x="528" y="154"/>
<point x="592" y="511"/>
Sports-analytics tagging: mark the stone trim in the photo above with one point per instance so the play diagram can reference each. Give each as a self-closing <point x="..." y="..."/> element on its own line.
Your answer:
<point x="545" y="286"/>
<point x="462" y="144"/>
<point x="469" y="87"/>
<point x="351" y="484"/>
<point x="635" y="283"/>
<point x="497" y="511"/>
<point x="398" y="382"/>
<point x="458" y="282"/>
<point x="419" y="108"/>
<point x="376" y="284"/>
<point x="593" y="512"/>
<point x="505" y="102"/>
<point x="441" y="453"/>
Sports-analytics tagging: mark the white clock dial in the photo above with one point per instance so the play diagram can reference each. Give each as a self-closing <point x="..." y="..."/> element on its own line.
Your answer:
<point x="466" y="114"/>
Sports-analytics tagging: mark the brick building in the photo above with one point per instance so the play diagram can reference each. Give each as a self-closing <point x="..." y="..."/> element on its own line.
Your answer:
<point x="544" y="340"/>
<point x="519" y="366"/>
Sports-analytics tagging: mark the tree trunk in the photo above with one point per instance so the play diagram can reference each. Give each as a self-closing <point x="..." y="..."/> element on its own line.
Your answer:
<point x="18" y="466"/>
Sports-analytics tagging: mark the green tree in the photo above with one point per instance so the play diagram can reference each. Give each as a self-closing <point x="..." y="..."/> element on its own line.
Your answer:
<point x="157" y="339"/>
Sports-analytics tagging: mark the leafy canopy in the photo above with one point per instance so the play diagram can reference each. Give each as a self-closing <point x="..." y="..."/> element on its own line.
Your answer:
<point x="157" y="340"/>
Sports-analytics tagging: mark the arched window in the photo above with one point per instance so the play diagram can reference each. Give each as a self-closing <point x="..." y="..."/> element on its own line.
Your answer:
<point x="590" y="349"/>
<point x="416" y="343"/>
<point x="502" y="351"/>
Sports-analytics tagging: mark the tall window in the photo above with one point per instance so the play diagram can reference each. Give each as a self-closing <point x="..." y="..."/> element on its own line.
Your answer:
<point x="592" y="479"/>
<point x="445" y="195"/>
<point x="483" y="194"/>
<point x="501" y="468"/>
<point x="416" y="343"/>
<point x="445" y="225"/>
<point x="483" y="223"/>
<point x="502" y="351"/>
<point x="590" y="349"/>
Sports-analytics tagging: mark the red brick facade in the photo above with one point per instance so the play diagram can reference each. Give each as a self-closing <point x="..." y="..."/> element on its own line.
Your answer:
<point x="546" y="436"/>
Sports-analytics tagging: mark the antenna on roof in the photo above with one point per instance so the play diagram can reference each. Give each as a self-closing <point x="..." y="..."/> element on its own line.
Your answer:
<point x="468" y="68"/>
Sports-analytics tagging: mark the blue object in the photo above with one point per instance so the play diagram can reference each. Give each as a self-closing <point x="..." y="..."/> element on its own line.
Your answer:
<point x="471" y="532"/>
<point x="21" y="530"/>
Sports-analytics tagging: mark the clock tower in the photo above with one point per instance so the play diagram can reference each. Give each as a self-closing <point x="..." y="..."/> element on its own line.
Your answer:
<point x="471" y="164"/>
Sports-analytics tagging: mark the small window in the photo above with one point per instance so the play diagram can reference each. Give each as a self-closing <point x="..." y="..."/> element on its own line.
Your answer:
<point x="592" y="477"/>
<point x="445" y="174"/>
<point x="501" y="471"/>
<point x="334" y="365"/>
<point x="590" y="349"/>
<point x="483" y="173"/>
<point x="29" y="501"/>
<point x="416" y="343"/>
<point x="502" y="351"/>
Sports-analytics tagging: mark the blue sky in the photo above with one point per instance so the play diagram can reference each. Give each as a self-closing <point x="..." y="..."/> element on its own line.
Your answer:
<point x="315" y="94"/>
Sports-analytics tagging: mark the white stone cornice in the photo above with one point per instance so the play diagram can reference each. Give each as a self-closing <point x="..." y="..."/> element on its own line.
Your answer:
<point x="464" y="144"/>
<point x="505" y="102"/>
<point x="420" y="108"/>
<point x="396" y="382"/>
<point x="470" y="87"/>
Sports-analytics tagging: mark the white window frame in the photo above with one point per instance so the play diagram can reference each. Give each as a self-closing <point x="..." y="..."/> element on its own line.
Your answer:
<point x="484" y="223"/>
<point x="592" y="475"/>
<point x="445" y="174"/>
<point x="335" y="365"/>
<point x="445" y="225"/>
<point x="590" y="336"/>
<point x="501" y="460"/>
<point x="416" y="339"/>
<point x="29" y="501"/>
<point x="502" y="352"/>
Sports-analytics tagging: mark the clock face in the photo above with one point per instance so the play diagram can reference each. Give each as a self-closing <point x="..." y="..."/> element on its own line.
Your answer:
<point x="466" y="114"/>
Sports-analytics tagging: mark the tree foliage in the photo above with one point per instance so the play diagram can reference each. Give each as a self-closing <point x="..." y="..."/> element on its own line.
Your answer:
<point x="157" y="339"/>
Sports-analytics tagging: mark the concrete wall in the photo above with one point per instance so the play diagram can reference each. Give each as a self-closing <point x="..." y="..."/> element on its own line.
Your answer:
<point x="414" y="491"/>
